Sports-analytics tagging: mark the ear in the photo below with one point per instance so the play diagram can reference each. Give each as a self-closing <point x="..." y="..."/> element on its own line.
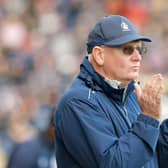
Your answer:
<point x="98" y="55"/>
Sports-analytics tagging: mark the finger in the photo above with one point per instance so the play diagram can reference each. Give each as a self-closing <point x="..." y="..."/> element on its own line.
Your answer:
<point x="157" y="76"/>
<point x="160" y="91"/>
<point x="157" y="90"/>
<point x="153" y="81"/>
<point x="154" y="84"/>
<point x="158" y="84"/>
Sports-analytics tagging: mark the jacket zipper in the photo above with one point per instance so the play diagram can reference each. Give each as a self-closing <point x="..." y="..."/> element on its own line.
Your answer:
<point x="124" y="108"/>
<point x="90" y="92"/>
<point x="126" y="115"/>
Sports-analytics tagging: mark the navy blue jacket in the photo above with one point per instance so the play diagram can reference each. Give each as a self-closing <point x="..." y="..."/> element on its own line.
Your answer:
<point x="35" y="153"/>
<point x="97" y="126"/>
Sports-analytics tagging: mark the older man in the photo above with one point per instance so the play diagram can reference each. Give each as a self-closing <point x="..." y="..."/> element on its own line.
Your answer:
<point x="105" y="120"/>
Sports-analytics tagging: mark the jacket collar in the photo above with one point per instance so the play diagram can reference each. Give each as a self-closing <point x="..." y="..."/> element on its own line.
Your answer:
<point x="96" y="82"/>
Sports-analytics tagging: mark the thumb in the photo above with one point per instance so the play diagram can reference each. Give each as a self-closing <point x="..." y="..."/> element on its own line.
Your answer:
<point x="138" y="90"/>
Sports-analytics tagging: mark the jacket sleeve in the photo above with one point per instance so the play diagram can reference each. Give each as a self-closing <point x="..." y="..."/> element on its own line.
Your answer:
<point x="162" y="145"/>
<point x="89" y="137"/>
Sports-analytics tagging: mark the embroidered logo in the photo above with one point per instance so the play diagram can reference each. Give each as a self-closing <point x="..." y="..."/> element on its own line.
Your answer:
<point x="124" y="26"/>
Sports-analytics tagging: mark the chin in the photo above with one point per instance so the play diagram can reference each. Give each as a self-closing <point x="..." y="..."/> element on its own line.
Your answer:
<point x="133" y="77"/>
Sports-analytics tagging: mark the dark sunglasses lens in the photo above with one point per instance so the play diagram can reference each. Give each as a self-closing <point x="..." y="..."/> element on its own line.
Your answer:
<point x="128" y="50"/>
<point x="142" y="50"/>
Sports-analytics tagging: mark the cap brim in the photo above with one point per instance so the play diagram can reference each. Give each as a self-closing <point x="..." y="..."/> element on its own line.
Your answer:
<point x="127" y="39"/>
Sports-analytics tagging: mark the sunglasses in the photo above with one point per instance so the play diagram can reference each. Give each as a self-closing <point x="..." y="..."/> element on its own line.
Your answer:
<point x="129" y="50"/>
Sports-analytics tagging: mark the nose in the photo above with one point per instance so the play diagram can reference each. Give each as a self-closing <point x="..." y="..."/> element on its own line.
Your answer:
<point x="136" y="56"/>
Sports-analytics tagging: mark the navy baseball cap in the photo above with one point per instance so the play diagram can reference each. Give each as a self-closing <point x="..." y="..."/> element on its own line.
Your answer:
<point x="114" y="30"/>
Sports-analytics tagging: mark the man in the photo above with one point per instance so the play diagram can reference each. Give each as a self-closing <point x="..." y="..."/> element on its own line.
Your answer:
<point x="104" y="120"/>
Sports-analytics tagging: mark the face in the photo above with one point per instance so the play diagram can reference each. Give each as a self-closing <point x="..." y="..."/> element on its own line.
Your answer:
<point x="121" y="63"/>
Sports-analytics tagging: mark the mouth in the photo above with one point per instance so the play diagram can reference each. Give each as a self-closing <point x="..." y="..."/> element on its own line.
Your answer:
<point x="135" y="68"/>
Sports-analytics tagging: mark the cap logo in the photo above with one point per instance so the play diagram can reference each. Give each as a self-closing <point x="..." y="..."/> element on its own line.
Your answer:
<point x="124" y="26"/>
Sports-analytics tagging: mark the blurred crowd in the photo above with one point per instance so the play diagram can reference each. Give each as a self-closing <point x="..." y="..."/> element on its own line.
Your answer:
<point x="42" y="43"/>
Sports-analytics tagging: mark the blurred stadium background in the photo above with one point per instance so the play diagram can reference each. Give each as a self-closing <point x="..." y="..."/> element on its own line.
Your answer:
<point x="42" y="43"/>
